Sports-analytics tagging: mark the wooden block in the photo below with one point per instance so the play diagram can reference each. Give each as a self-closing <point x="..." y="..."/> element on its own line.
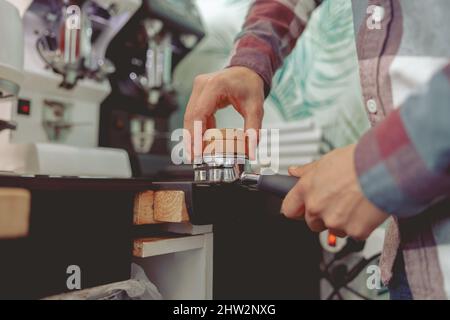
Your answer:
<point x="15" y="207"/>
<point x="155" y="246"/>
<point x="143" y="208"/>
<point x="170" y="206"/>
<point x="187" y="228"/>
<point x="138" y="244"/>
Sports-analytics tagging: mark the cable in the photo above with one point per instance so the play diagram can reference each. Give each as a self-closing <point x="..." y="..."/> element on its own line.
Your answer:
<point x="356" y="293"/>
<point x="340" y="278"/>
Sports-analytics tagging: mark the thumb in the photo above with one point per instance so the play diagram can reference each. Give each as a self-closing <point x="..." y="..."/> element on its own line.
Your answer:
<point x="294" y="204"/>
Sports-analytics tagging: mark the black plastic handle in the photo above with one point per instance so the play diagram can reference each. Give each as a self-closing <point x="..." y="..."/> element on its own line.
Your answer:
<point x="276" y="184"/>
<point x="7" y="125"/>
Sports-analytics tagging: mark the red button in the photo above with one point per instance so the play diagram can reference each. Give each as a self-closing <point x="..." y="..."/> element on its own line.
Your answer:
<point x="332" y="240"/>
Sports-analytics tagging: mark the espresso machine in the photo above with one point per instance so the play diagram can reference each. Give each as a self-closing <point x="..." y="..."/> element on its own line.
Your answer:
<point x="52" y="128"/>
<point x="136" y="114"/>
<point x="53" y="77"/>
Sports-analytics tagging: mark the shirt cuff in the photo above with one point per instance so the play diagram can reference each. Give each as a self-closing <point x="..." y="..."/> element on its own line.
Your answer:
<point x="258" y="62"/>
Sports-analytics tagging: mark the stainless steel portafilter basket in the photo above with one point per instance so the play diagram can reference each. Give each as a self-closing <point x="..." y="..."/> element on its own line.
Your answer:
<point x="230" y="168"/>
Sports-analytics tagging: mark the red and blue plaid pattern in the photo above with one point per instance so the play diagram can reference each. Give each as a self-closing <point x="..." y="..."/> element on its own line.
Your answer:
<point x="403" y="163"/>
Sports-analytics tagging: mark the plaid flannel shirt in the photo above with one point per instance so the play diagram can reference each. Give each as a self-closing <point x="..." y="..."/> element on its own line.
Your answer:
<point x="403" y="162"/>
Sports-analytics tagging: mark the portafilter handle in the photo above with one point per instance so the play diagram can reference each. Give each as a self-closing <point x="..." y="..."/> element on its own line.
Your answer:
<point x="276" y="184"/>
<point x="7" y="125"/>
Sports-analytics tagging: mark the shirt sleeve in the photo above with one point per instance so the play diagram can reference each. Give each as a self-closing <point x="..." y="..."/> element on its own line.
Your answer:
<point x="403" y="164"/>
<point x="270" y="32"/>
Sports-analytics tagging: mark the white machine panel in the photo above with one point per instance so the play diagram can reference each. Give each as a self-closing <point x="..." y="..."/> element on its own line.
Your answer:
<point x="60" y="160"/>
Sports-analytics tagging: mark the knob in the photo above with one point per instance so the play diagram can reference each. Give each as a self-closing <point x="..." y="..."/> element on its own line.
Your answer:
<point x="7" y="125"/>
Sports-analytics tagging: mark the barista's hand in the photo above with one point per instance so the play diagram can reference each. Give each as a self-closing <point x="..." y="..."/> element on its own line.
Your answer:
<point x="239" y="86"/>
<point x="328" y="196"/>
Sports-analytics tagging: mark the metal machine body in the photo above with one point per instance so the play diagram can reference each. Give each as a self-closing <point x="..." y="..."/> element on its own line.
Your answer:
<point x="74" y="35"/>
<point x="65" y="215"/>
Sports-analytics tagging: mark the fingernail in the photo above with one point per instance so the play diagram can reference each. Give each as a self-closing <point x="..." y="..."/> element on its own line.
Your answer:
<point x="283" y="210"/>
